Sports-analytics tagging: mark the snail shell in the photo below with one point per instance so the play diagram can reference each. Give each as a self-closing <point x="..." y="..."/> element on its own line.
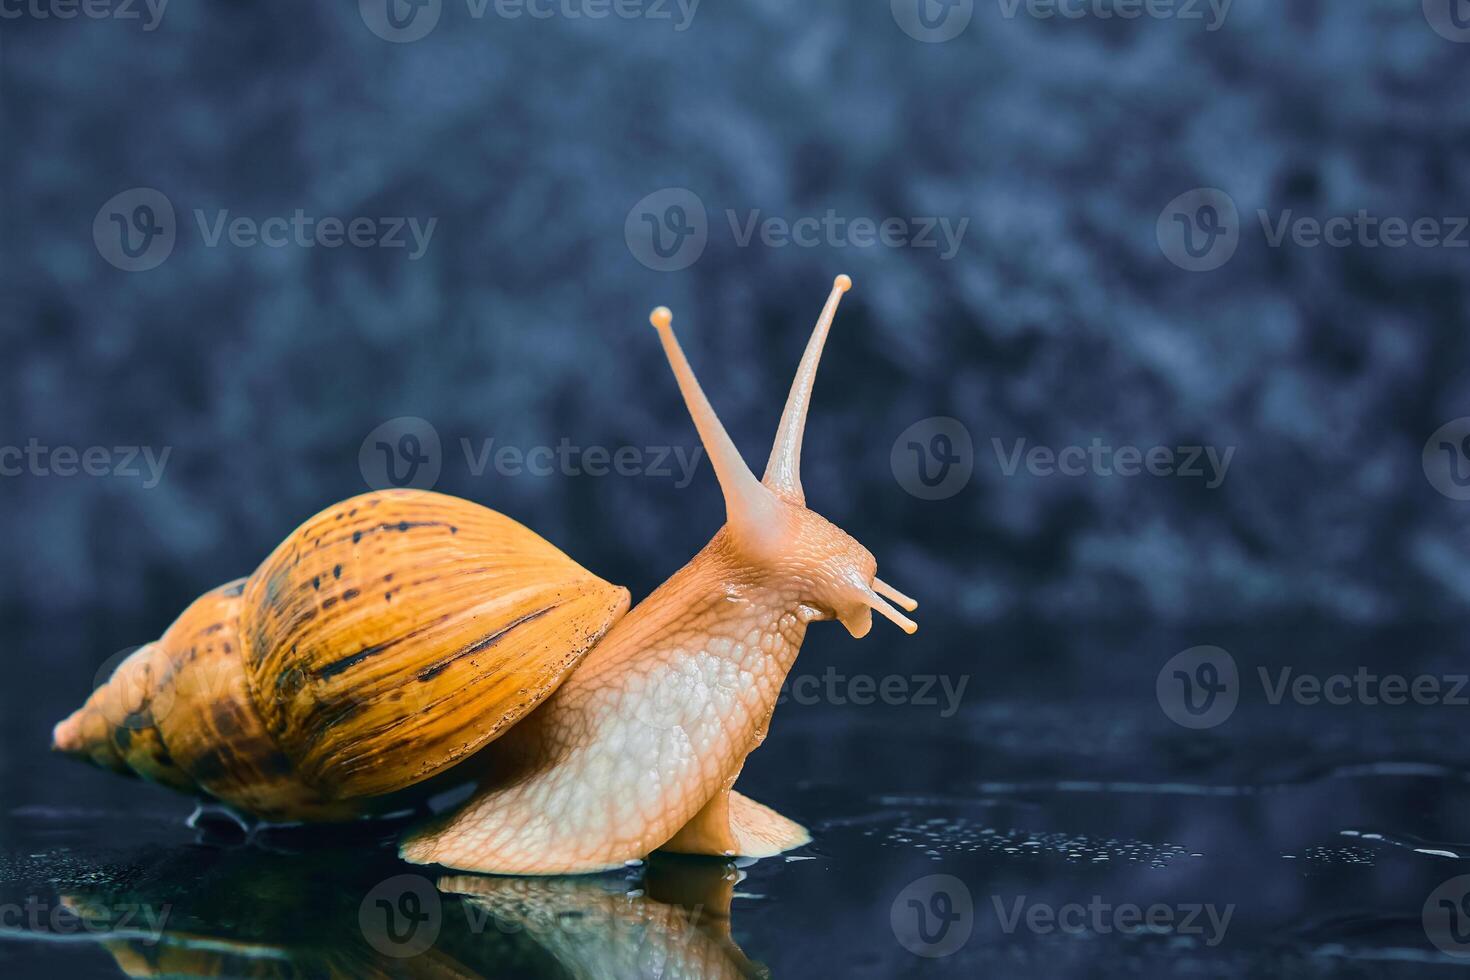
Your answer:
<point x="387" y="639"/>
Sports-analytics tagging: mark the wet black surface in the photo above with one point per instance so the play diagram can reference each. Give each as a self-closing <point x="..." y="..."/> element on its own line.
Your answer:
<point x="1292" y="839"/>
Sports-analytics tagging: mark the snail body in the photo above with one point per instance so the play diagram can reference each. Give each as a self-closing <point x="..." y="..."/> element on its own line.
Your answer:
<point x="391" y="638"/>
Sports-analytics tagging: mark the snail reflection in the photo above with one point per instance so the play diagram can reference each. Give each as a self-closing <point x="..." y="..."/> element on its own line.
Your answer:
<point x="252" y="912"/>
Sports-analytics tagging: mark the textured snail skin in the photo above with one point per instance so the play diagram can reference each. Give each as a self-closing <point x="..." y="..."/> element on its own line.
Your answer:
<point x="402" y="639"/>
<point x="641" y="746"/>
<point x="652" y="728"/>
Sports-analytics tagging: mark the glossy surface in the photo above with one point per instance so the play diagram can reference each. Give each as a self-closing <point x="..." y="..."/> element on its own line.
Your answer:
<point x="1053" y="779"/>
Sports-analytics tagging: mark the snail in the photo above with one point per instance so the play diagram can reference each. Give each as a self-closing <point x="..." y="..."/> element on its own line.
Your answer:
<point x="404" y="638"/>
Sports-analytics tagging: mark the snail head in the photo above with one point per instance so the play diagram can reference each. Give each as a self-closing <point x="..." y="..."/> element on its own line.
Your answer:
<point x="767" y="519"/>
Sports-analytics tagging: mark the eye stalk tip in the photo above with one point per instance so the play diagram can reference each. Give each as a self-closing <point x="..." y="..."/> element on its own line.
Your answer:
<point x="881" y="606"/>
<point x="842" y="282"/>
<point x="662" y="318"/>
<point x="903" y="622"/>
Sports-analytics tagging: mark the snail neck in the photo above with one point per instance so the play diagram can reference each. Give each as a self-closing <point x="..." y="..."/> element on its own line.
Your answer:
<point x="683" y="686"/>
<point x="757" y="613"/>
<point x="719" y="604"/>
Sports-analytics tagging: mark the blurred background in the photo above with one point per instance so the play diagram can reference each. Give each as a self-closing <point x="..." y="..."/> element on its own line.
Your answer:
<point x="1100" y="394"/>
<point x="1058" y="143"/>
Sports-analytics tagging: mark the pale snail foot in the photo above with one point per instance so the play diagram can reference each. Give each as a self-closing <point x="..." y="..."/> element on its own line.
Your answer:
<point x="729" y="826"/>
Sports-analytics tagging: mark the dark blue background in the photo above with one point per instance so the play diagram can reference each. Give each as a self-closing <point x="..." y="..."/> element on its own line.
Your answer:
<point x="529" y="140"/>
<point x="1060" y="320"/>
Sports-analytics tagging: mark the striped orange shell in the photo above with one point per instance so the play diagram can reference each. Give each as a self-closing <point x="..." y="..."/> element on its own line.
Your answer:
<point x="387" y="639"/>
